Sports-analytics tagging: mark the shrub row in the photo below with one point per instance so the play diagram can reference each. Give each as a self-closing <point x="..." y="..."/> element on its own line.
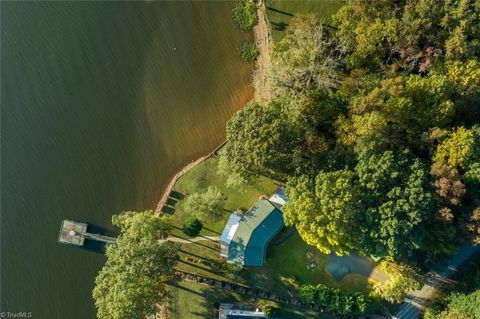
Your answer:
<point x="340" y="302"/>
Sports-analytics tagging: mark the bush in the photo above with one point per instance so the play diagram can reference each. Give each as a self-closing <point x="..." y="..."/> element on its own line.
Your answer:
<point x="270" y="311"/>
<point x="248" y="51"/>
<point x="244" y="15"/>
<point x="403" y="279"/>
<point x="340" y="302"/>
<point x="192" y="227"/>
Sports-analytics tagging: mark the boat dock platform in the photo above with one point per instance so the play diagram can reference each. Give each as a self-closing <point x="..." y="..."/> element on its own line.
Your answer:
<point x="75" y="233"/>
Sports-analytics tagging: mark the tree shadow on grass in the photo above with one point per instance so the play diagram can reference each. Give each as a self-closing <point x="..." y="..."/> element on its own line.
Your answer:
<point x="209" y="239"/>
<point x="279" y="26"/>
<point x="168" y="210"/>
<point x="197" y="266"/>
<point x="279" y="11"/>
<point x="176" y="285"/>
<point x="194" y="255"/>
<point x="171" y="201"/>
<point x="211" y="230"/>
<point x="176" y="195"/>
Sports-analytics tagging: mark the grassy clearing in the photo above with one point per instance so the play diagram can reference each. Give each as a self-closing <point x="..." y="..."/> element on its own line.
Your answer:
<point x="285" y="270"/>
<point x="205" y="174"/>
<point x="279" y="12"/>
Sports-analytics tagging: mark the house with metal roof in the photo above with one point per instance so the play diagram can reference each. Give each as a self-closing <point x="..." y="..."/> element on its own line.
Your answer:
<point x="245" y="237"/>
<point x="228" y="311"/>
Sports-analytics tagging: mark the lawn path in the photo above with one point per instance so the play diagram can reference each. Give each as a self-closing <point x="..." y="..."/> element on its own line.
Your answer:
<point x="189" y="241"/>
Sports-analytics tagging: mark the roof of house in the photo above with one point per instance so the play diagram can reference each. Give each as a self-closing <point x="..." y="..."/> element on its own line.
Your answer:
<point x="256" y="229"/>
<point x="279" y="198"/>
<point x="227" y="311"/>
<point x="230" y="228"/>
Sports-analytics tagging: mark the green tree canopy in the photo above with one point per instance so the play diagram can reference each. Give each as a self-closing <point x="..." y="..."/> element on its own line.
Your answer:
<point x="327" y="211"/>
<point x="132" y="281"/>
<point x="205" y="206"/>
<point x="460" y="149"/>
<point x="402" y="280"/>
<point x="306" y="57"/>
<point x="378" y="208"/>
<point x="407" y="34"/>
<point x="259" y="141"/>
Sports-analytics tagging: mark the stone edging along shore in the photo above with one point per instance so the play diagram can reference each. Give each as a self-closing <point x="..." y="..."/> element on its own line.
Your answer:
<point x="261" y="92"/>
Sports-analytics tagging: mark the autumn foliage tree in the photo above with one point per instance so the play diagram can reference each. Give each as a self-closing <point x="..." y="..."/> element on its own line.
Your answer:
<point x="132" y="281"/>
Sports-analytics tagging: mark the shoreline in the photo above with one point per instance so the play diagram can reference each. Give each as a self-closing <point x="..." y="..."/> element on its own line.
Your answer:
<point x="261" y="93"/>
<point x="183" y="171"/>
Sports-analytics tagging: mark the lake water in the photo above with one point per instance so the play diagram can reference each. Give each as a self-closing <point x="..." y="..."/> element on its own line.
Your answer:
<point x="101" y="103"/>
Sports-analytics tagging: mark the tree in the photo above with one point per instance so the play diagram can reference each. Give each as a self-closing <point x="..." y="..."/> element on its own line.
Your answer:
<point x="192" y="226"/>
<point x="460" y="21"/>
<point x="307" y="57"/>
<point x="244" y="15"/>
<point x="270" y="311"/>
<point x="412" y="105"/>
<point x="398" y="202"/>
<point x="205" y="206"/>
<point x="381" y="33"/>
<point x="326" y="212"/>
<point x="473" y="226"/>
<point x="403" y="279"/>
<point x="259" y="141"/>
<point x="340" y="302"/>
<point x="379" y="208"/>
<point x="460" y="149"/>
<point x="472" y="175"/>
<point x="132" y="281"/>
<point x="447" y="183"/>
<point x="367" y="31"/>
<point x="463" y="306"/>
<point x="248" y="52"/>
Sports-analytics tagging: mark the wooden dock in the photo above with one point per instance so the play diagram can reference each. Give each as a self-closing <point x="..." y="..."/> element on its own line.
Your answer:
<point x="75" y="233"/>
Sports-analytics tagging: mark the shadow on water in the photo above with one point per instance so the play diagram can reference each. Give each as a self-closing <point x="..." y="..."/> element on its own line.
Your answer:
<point x="94" y="245"/>
<point x="96" y="229"/>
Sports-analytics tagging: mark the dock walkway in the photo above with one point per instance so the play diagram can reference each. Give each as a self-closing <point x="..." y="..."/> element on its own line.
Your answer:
<point x="75" y="233"/>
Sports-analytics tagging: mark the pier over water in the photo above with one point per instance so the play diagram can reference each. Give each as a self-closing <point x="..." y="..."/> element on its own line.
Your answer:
<point x="75" y="233"/>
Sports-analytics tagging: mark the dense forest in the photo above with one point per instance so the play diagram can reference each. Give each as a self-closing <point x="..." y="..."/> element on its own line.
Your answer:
<point x="374" y="128"/>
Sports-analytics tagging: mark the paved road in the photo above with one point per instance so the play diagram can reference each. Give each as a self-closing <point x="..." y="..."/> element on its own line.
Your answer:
<point x="414" y="303"/>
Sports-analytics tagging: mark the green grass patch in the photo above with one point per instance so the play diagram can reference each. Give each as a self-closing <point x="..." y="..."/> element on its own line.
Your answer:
<point x="286" y="269"/>
<point x="205" y="174"/>
<point x="279" y="12"/>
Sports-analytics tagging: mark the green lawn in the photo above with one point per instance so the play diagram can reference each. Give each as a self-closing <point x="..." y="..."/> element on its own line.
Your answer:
<point x="205" y="174"/>
<point x="287" y="264"/>
<point x="279" y="12"/>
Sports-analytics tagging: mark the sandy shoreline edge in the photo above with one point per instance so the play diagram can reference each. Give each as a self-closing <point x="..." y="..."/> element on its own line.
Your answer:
<point x="261" y="93"/>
